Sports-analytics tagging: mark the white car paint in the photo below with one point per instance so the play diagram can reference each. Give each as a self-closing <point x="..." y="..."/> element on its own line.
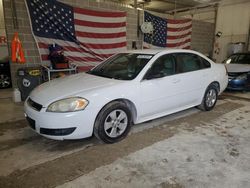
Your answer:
<point x="238" y="68"/>
<point x="151" y="98"/>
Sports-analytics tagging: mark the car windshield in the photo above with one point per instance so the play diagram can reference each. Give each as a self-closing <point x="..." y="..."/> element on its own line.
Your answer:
<point x="125" y="66"/>
<point x="238" y="59"/>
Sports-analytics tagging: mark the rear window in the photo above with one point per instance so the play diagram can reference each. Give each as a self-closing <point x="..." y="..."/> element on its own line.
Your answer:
<point x="244" y="59"/>
<point x="187" y="62"/>
<point x="238" y="59"/>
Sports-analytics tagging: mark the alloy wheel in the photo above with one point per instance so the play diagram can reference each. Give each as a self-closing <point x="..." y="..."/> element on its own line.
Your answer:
<point x="115" y="123"/>
<point x="211" y="97"/>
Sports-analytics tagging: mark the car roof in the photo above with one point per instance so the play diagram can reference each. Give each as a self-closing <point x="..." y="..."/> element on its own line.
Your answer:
<point x="155" y="51"/>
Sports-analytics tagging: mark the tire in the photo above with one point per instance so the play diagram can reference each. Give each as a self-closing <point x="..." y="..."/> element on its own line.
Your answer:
<point x="209" y="99"/>
<point x="108" y="127"/>
<point x="5" y="81"/>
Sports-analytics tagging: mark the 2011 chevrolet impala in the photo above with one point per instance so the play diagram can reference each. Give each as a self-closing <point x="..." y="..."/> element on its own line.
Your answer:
<point x="128" y="88"/>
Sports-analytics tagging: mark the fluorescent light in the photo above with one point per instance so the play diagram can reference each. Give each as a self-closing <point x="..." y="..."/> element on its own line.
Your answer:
<point x="202" y="1"/>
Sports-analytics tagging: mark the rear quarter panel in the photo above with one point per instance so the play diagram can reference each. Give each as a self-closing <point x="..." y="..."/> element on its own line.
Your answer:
<point x="220" y="75"/>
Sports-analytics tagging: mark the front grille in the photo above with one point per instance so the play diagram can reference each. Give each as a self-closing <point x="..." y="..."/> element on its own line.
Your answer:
<point x="57" y="132"/>
<point x="34" y="105"/>
<point x="31" y="122"/>
<point x="233" y="75"/>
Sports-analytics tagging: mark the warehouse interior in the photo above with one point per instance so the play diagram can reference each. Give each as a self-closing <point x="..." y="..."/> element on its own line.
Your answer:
<point x="189" y="148"/>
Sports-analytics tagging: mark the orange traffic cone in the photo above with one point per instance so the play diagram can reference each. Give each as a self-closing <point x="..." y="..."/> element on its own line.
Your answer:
<point x="17" y="54"/>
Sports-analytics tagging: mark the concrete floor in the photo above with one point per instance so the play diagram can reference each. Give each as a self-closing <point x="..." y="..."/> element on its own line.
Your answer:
<point x="9" y="111"/>
<point x="186" y="149"/>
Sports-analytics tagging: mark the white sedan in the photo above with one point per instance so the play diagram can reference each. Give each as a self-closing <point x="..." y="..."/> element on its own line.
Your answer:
<point x="128" y="88"/>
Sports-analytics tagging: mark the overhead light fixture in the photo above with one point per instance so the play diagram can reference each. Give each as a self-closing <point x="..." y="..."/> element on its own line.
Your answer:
<point x="143" y="1"/>
<point x="202" y="1"/>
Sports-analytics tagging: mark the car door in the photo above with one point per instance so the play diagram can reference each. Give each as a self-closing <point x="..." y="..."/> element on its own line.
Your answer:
<point x="194" y="71"/>
<point x="181" y="88"/>
<point x="161" y="88"/>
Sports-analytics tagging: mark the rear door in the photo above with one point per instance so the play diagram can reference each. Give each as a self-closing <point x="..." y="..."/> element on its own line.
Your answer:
<point x="194" y="71"/>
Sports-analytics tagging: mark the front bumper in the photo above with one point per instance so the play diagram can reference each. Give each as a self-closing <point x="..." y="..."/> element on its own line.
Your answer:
<point x="238" y="85"/>
<point x="61" y="126"/>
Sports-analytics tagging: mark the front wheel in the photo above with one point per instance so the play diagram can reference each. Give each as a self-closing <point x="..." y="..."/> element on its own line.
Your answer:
<point x="209" y="99"/>
<point x="113" y="122"/>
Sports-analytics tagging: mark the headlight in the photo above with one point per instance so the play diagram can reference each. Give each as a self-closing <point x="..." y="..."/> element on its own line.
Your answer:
<point x="68" y="105"/>
<point x="242" y="77"/>
<point x="228" y="61"/>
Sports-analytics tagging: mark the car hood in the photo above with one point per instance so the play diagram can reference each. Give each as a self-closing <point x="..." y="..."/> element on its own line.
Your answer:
<point x="69" y="86"/>
<point x="237" y="68"/>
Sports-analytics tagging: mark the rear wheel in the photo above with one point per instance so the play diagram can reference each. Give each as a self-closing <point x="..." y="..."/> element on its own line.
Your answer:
<point x="113" y="122"/>
<point x="209" y="99"/>
<point x="4" y="81"/>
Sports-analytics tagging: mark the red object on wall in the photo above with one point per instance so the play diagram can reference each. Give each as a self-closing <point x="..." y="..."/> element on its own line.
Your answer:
<point x="3" y="40"/>
<point x="17" y="54"/>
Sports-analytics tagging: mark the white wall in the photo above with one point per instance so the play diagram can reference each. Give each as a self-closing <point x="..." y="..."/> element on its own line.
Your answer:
<point x="233" y="21"/>
<point x="205" y="15"/>
<point x="1" y="15"/>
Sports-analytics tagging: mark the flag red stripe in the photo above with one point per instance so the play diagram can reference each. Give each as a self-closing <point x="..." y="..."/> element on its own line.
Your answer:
<point x="99" y="24"/>
<point x="73" y="49"/>
<point x="100" y="35"/>
<point x="73" y="58"/>
<point x="99" y="13"/>
<point x="44" y="57"/>
<point x="178" y="36"/>
<point x="104" y="46"/>
<point x="179" y="29"/>
<point x="170" y="21"/>
<point x="178" y="44"/>
<point x="84" y="68"/>
<point x="187" y="47"/>
<point x="84" y="59"/>
<point x="43" y="45"/>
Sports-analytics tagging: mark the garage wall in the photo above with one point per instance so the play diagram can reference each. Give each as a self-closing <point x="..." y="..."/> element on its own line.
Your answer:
<point x="233" y="21"/>
<point x="207" y="16"/>
<point x="203" y="27"/>
<point x="200" y="29"/>
<point x="24" y="31"/>
<point x="24" y="28"/>
<point x="202" y="37"/>
<point x="203" y="14"/>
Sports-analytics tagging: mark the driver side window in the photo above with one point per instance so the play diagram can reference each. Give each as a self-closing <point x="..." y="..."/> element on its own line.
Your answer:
<point x="163" y="66"/>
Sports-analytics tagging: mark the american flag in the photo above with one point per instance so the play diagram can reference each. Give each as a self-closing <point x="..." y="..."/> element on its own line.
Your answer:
<point x="87" y="36"/>
<point x="168" y="33"/>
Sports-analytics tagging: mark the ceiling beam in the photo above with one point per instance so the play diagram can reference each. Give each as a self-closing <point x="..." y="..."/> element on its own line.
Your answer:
<point x="175" y="2"/>
<point x="194" y="7"/>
